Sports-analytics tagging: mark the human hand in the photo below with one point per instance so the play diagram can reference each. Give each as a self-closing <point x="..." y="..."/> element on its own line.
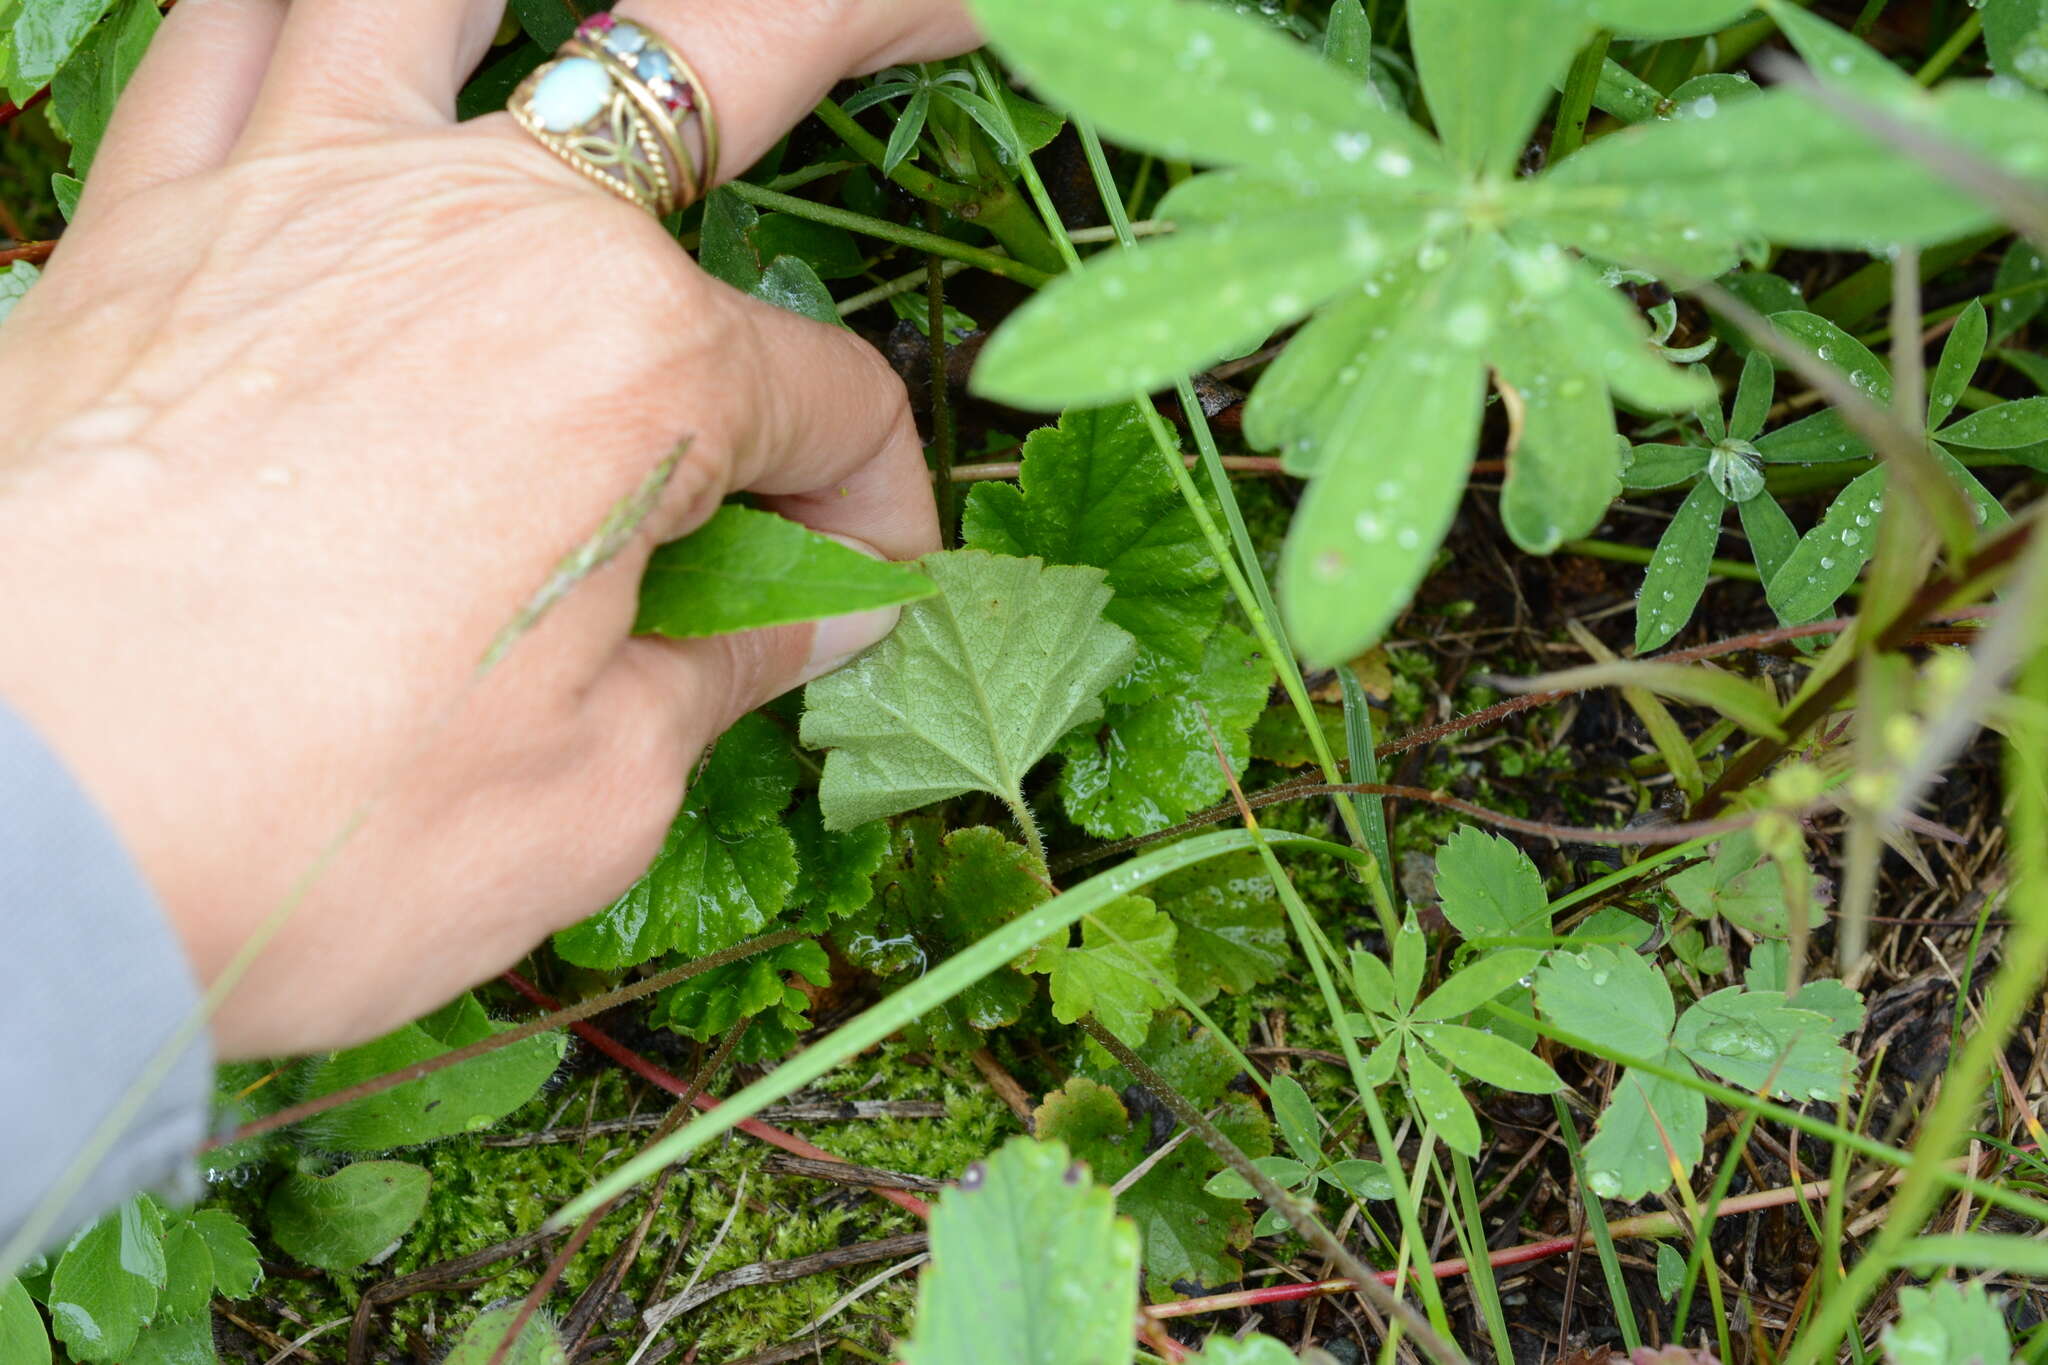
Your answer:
<point x="312" y="398"/>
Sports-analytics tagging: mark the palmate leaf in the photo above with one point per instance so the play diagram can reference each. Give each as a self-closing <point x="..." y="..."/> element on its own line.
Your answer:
<point x="1151" y="763"/>
<point x="975" y="686"/>
<point x="1488" y="67"/>
<point x="1232" y="936"/>
<point x="745" y="569"/>
<point x="1030" y="1266"/>
<point x="1195" y="81"/>
<point x="725" y="871"/>
<point x="1118" y="971"/>
<point x="1489" y="888"/>
<point x="206" y="1252"/>
<point x="1736" y="885"/>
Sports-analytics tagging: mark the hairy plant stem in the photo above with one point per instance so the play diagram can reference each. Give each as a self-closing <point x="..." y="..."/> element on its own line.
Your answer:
<point x="917" y="239"/>
<point x="1311" y="1229"/>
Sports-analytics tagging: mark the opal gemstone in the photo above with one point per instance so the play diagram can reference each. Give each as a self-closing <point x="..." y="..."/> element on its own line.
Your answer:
<point x="624" y="40"/>
<point x="570" y="94"/>
<point x="655" y="67"/>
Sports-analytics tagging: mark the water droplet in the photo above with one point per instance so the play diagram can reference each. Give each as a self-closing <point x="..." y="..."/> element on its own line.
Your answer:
<point x="1606" y="1184"/>
<point x="1369" y="526"/>
<point x="1350" y="146"/>
<point x="1469" y="324"/>
<point x="1393" y="162"/>
<point x="1826" y="563"/>
<point x="1850" y="536"/>
<point x="1260" y="118"/>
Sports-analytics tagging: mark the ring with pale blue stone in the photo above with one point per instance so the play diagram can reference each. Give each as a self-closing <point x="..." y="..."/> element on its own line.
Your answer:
<point x="622" y="107"/>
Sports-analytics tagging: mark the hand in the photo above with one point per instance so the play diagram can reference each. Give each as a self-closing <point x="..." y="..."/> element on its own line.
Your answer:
<point x="313" y="397"/>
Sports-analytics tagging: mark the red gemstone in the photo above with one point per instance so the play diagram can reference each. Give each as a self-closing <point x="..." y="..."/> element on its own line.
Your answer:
<point x="601" y="22"/>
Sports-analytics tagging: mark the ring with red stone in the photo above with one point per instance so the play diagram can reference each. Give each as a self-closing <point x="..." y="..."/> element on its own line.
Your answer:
<point x="624" y="107"/>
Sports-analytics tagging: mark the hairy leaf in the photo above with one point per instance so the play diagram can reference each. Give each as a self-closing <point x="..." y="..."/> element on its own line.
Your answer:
<point x="456" y="1099"/>
<point x="207" y="1252"/>
<point x="705" y="1007"/>
<point x="745" y="569"/>
<point x="538" y="1342"/>
<point x="1094" y="491"/>
<point x="1948" y="1324"/>
<point x="1030" y="1266"/>
<point x="974" y="686"/>
<point x="1256" y="1349"/>
<point x="339" y="1221"/>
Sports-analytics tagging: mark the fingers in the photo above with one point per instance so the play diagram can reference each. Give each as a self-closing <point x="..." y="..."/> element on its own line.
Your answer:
<point x="370" y="63"/>
<point x="767" y="65"/>
<point x="830" y="440"/>
<point x="187" y="103"/>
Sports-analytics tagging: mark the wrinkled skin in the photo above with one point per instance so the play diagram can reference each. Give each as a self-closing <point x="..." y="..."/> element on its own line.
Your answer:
<point x="314" y="395"/>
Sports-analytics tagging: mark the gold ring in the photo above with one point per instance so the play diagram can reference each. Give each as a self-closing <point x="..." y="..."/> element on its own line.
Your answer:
<point x="622" y="106"/>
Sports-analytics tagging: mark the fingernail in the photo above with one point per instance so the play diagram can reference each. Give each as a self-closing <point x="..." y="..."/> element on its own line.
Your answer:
<point x="838" y="638"/>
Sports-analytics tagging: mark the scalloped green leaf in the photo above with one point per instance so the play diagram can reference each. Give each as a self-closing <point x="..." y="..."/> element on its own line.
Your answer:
<point x="974" y="686"/>
<point x="105" y="1288"/>
<point x="1117" y="973"/>
<point x="337" y="1222"/>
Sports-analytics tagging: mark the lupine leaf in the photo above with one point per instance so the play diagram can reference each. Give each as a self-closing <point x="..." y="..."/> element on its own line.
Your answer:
<point x="744" y="569"/>
<point x="1487" y="69"/>
<point x="1678" y="568"/>
<point x="1030" y="1266"/>
<point x="1828" y="557"/>
<point x="1440" y="1103"/>
<point x="2006" y="426"/>
<point x="1196" y="82"/>
<point x="1485" y="979"/>
<point x="1961" y="353"/>
<point x="1491" y="1058"/>
<point x="975" y="685"/>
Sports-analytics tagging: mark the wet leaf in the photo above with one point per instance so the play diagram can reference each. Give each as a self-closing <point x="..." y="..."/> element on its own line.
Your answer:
<point x="1232" y="937"/>
<point x="2005" y="426"/>
<point x="1030" y="1266"/>
<point x="105" y="1287"/>
<point x="1828" y="557"/>
<point x="22" y="1337"/>
<point x="745" y="569"/>
<point x="1762" y="1042"/>
<point x="1610" y="996"/>
<point x="1116" y="972"/>
<point x="1679" y="567"/>
<point x="1738" y="885"/>
<point x="1439" y="1103"/>
<point x="538" y="1343"/>
<point x="1488" y="67"/>
<point x="1489" y="887"/>
<point x="1647" y="1123"/>
<point x="1960" y="355"/>
<point x="937" y="894"/>
<point x="974" y="686"/>
<point x="1488" y="978"/>
<point x="725" y="870"/>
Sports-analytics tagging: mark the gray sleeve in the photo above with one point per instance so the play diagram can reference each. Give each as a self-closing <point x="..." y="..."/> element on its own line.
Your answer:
<point x="95" y="986"/>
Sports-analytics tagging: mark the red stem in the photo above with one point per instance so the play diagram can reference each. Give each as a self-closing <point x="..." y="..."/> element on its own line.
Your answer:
<point x="676" y="1085"/>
